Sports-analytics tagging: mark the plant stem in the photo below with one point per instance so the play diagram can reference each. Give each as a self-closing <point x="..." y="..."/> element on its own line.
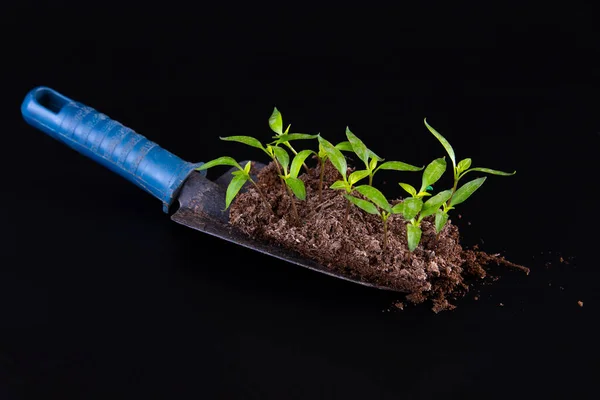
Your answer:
<point x="385" y="234"/>
<point x="322" y="165"/>
<point x="370" y="179"/>
<point x="279" y="173"/>
<point x="294" y="210"/>
<point x="296" y="153"/>
<point x="346" y="214"/>
<point x="262" y="195"/>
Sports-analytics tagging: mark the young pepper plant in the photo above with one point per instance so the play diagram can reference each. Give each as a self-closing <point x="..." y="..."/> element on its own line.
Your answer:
<point x="322" y="157"/>
<point x="414" y="210"/>
<point x="290" y="177"/>
<point x="461" y="194"/>
<point x="241" y="176"/>
<point x="283" y="137"/>
<point x="339" y="162"/>
<point x="377" y="205"/>
<point x="370" y="159"/>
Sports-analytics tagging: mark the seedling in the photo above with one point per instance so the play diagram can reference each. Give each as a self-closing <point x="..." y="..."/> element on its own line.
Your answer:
<point x="290" y="177"/>
<point x="370" y="159"/>
<point x="271" y="149"/>
<point x="339" y="162"/>
<point x="377" y="205"/>
<point x="461" y="194"/>
<point x="322" y="157"/>
<point x="241" y="176"/>
<point x="283" y="137"/>
<point x="414" y="210"/>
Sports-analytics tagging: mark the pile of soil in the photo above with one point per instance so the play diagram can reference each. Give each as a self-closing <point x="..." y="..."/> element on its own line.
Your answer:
<point x="438" y="269"/>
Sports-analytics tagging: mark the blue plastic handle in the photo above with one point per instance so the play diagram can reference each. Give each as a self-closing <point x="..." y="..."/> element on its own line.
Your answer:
<point x="107" y="142"/>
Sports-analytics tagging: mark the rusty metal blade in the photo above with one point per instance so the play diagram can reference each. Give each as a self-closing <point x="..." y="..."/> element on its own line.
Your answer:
<point x="201" y="207"/>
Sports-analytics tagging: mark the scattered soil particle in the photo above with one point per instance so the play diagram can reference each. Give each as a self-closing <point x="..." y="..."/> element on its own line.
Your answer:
<point x="580" y="303"/>
<point x="438" y="270"/>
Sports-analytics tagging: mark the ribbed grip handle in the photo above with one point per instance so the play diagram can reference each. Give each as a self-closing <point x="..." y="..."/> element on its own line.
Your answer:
<point x="107" y="142"/>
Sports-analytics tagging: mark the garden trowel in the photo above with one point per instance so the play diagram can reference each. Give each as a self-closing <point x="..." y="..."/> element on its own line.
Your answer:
<point x="152" y="168"/>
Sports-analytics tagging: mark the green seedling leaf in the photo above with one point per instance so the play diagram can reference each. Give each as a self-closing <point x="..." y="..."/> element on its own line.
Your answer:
<point x="249" y="140"/>
<point x="434" y="203"/>
<point x="293" y="136"/>
<point x="357" y="176"/>
<point x="466" y="190"/>
<point x="491" y="171"/>
<point x="297" y="187"/>
<point x="335" y="156"/>
<point x="464" y="165"/>
<point x="358" y="146"/>
<point x="433" y="172"/>
<point x="443" y="141"/>
<point x="287" y="129"/>
<point x="239" y="172"/>
<point x="413" y="234"/>
<point x="398" y="166"/>
<point x="440" y="220"/>
<point x="276" y="122"/>
<point x="410" y="189"/>
<point x="247" y="167"/>
<point x="411" y="207"/>
<point x="373" y="164"/>
<point x="339" y="185"/>
<point x="282" y="156"/>
<point x="298" y="161"/>
<point x="363" y="204"/>
<point x="375" y="196"/>
<point x="219" y="161"/>
<point x="344" y="146"/>
<point x="234" y="187"/>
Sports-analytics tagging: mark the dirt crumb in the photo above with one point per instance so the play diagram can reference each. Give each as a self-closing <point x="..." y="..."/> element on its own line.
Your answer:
<point x="580" y="303"/>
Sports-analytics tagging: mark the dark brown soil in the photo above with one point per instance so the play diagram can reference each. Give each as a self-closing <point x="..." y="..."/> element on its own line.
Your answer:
<point x="437" y="270"/>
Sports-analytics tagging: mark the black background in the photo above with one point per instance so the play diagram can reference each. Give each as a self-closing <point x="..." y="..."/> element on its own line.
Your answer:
<point x="101" y="295"/>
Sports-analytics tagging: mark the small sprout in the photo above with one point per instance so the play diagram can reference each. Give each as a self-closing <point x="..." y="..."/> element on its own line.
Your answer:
<point x="370" y="159"/>
<point x="339" y="162"/>
<point x="241" y="176"/>
<point x="377" y="205"/>
<point x="283" y="137"/>
<point x="290" y="177"/>
<point x="463" y="167"/>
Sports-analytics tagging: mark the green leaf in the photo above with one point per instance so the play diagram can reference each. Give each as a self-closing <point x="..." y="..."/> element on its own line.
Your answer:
<point x="466" y="191"/>
<point x="373" y="164"/>
<point x="335" y="156"/>
<point x="463" y="165"/>
<point x="398" y="166"/>
<point x="443" y="141"/>
<point x="413" y="234"/>
<point x="249" y="140"/>
<point x="375" y="196"/>
<point x="276" y="122"/>
<point x="287" y="129"/>
<point x="357" y="176"/>
<point x="298" y="161"/>
<point x="234" y="187"/>
<point x="433" y="172"/>
<point x="247" y="167"/>
<point x="219" y="161"/>
<point x="293" y="136"/>
<point x="344" y="146"/>
<point x="239" y="172"/>
<point x="363" y="204"/>
<point x="491" y="171"/>
<point x="358" y="146"/>
<point x="339" y="185"/>
<point x="297" y="187"/>
<point x="375" y="156"/>
<point x="435" y="202"/>
<point x="409" y="188"/>
<point x="440" y="220"/>
<point x="283" y="157"/>
<point x="411" y="207"/>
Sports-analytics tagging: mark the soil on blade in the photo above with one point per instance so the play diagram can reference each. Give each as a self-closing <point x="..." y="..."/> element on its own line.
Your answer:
<point x="437" y="270"/>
